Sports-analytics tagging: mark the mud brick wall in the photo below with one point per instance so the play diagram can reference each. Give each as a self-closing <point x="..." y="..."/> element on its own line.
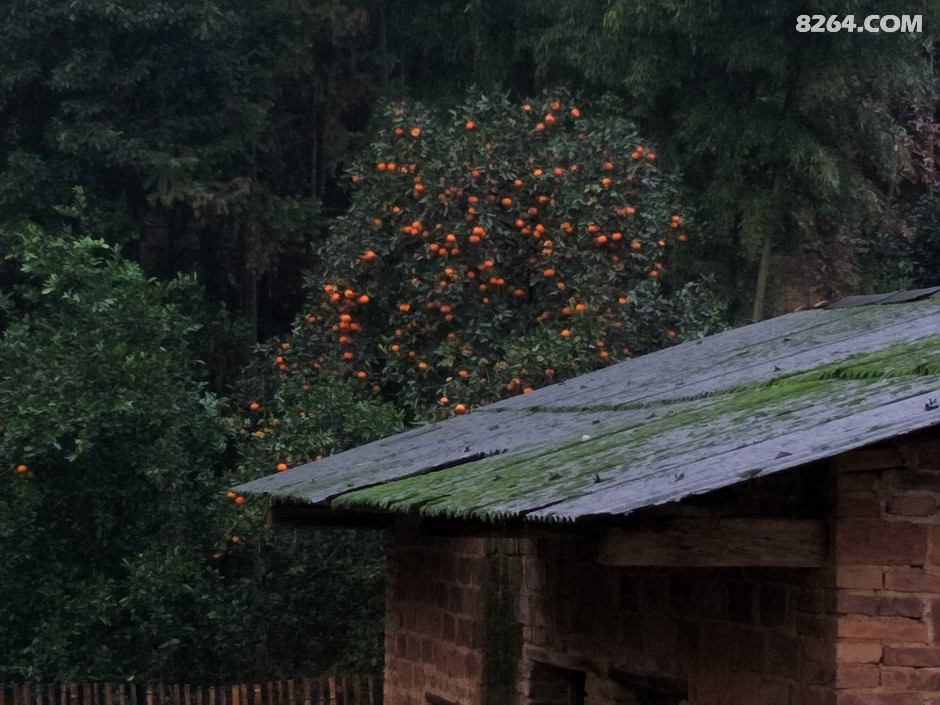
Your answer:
<point x="862" y="630"/>
<point x="434" y="628"/>
<point x="669" y="636"/>
<point x="887" y="549"/>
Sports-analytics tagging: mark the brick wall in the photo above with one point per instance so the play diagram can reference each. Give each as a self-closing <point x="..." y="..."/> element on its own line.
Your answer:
<point x="665" y="636"/>
<point x="863" y="630"/>
<point x="434" y="627"/>
<point x="886" y="543"/>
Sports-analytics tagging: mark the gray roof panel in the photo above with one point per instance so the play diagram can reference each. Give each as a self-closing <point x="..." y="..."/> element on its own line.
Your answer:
<point x="685" y="420"/>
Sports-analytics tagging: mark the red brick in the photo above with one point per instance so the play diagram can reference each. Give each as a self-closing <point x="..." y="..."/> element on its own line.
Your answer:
<point x="853" y="603"/>
<point x="913" y="505"/>
<point x="911" y="679"/>
<point x="879" y="699"/>
<point x="865" y="505"/>
<point x="858" y="651"/>
<point x="857" y="675"/>
<point x="911" y="580"/>
<point x="860" y="577"/>
<point x="894" y="629"/>
<point x="874" y="604"/>
<point x="934" y="620"/>
<point x="874" y="542"/>
<point x="933" y="537"/>
<point x="916" y="656"/>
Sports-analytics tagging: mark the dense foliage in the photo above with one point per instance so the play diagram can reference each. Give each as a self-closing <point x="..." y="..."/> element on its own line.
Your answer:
<point x="492" y="249"/>
<point x="122" y="555"/>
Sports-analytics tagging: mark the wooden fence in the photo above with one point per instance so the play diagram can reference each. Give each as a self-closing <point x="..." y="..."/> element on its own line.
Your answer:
<point x="332" y="690"/>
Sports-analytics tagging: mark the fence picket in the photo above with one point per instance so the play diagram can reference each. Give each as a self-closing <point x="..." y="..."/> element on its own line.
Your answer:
<point x="325" y="690"/>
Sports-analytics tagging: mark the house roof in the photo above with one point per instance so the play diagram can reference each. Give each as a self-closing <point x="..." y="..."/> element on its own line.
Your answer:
<point x="686" y="420"/>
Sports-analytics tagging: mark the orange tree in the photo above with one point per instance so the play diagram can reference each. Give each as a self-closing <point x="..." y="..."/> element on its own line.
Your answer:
<point x="486" y="251"/>
<point x="491" y="250"/>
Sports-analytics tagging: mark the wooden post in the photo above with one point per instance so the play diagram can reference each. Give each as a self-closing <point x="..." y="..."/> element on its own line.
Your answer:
<point x="332" y="683"/>
<point x="290" y="692"/>
<point x="86" y="694"/>
<point x="306" y="687"/>
<point x="73" y="694"/>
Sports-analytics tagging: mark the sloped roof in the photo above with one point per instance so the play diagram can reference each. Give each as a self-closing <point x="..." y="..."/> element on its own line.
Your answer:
<point x="685" y="420"/>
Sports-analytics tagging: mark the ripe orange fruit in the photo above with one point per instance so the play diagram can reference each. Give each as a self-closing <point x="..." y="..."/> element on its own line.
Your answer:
<point x="671" y="334"/>
<point x="230" y="494"/>
<point x="422" y="365"/>
<point x="540" y="126"/>
<point x="404" y="308"/>
<point x="239" y="500"/>
<point x="415" y="131"/>
<point x="381" y="166"/>
<point x="605" y="182"/>
<point x="235" y="539"/>
<point x="361" y="374"/>
<point x="549" y="119"/>
<point x="527" y="107"/>
<point x="364" y="299"/>
<point x="254" y="406"/>
<point x="444" y="400"/>
<point x="554" y="105"/>
<point x="650" y="157"/>
<point x="21" y="468"/>
<point x="682" y="238"/>
<point x="506" y="201"/>
<point x="575" y="113"/>
<point x="469" y="125"/>
<point x="608" y="166"/>
<point x="565" y="333"/>
<point x="460" y="409"/>
<point x="281" y="467"/>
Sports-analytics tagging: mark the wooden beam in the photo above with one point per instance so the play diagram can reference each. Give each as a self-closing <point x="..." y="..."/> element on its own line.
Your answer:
<point x="787" y="543"/>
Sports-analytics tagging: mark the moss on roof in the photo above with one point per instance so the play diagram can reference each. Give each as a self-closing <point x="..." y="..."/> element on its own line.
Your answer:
<point x="561" y="469"/>
<point x="685" y="420"/>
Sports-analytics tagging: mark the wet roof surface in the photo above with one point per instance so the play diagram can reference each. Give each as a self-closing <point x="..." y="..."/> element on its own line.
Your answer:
<point x="685" y="420"/>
